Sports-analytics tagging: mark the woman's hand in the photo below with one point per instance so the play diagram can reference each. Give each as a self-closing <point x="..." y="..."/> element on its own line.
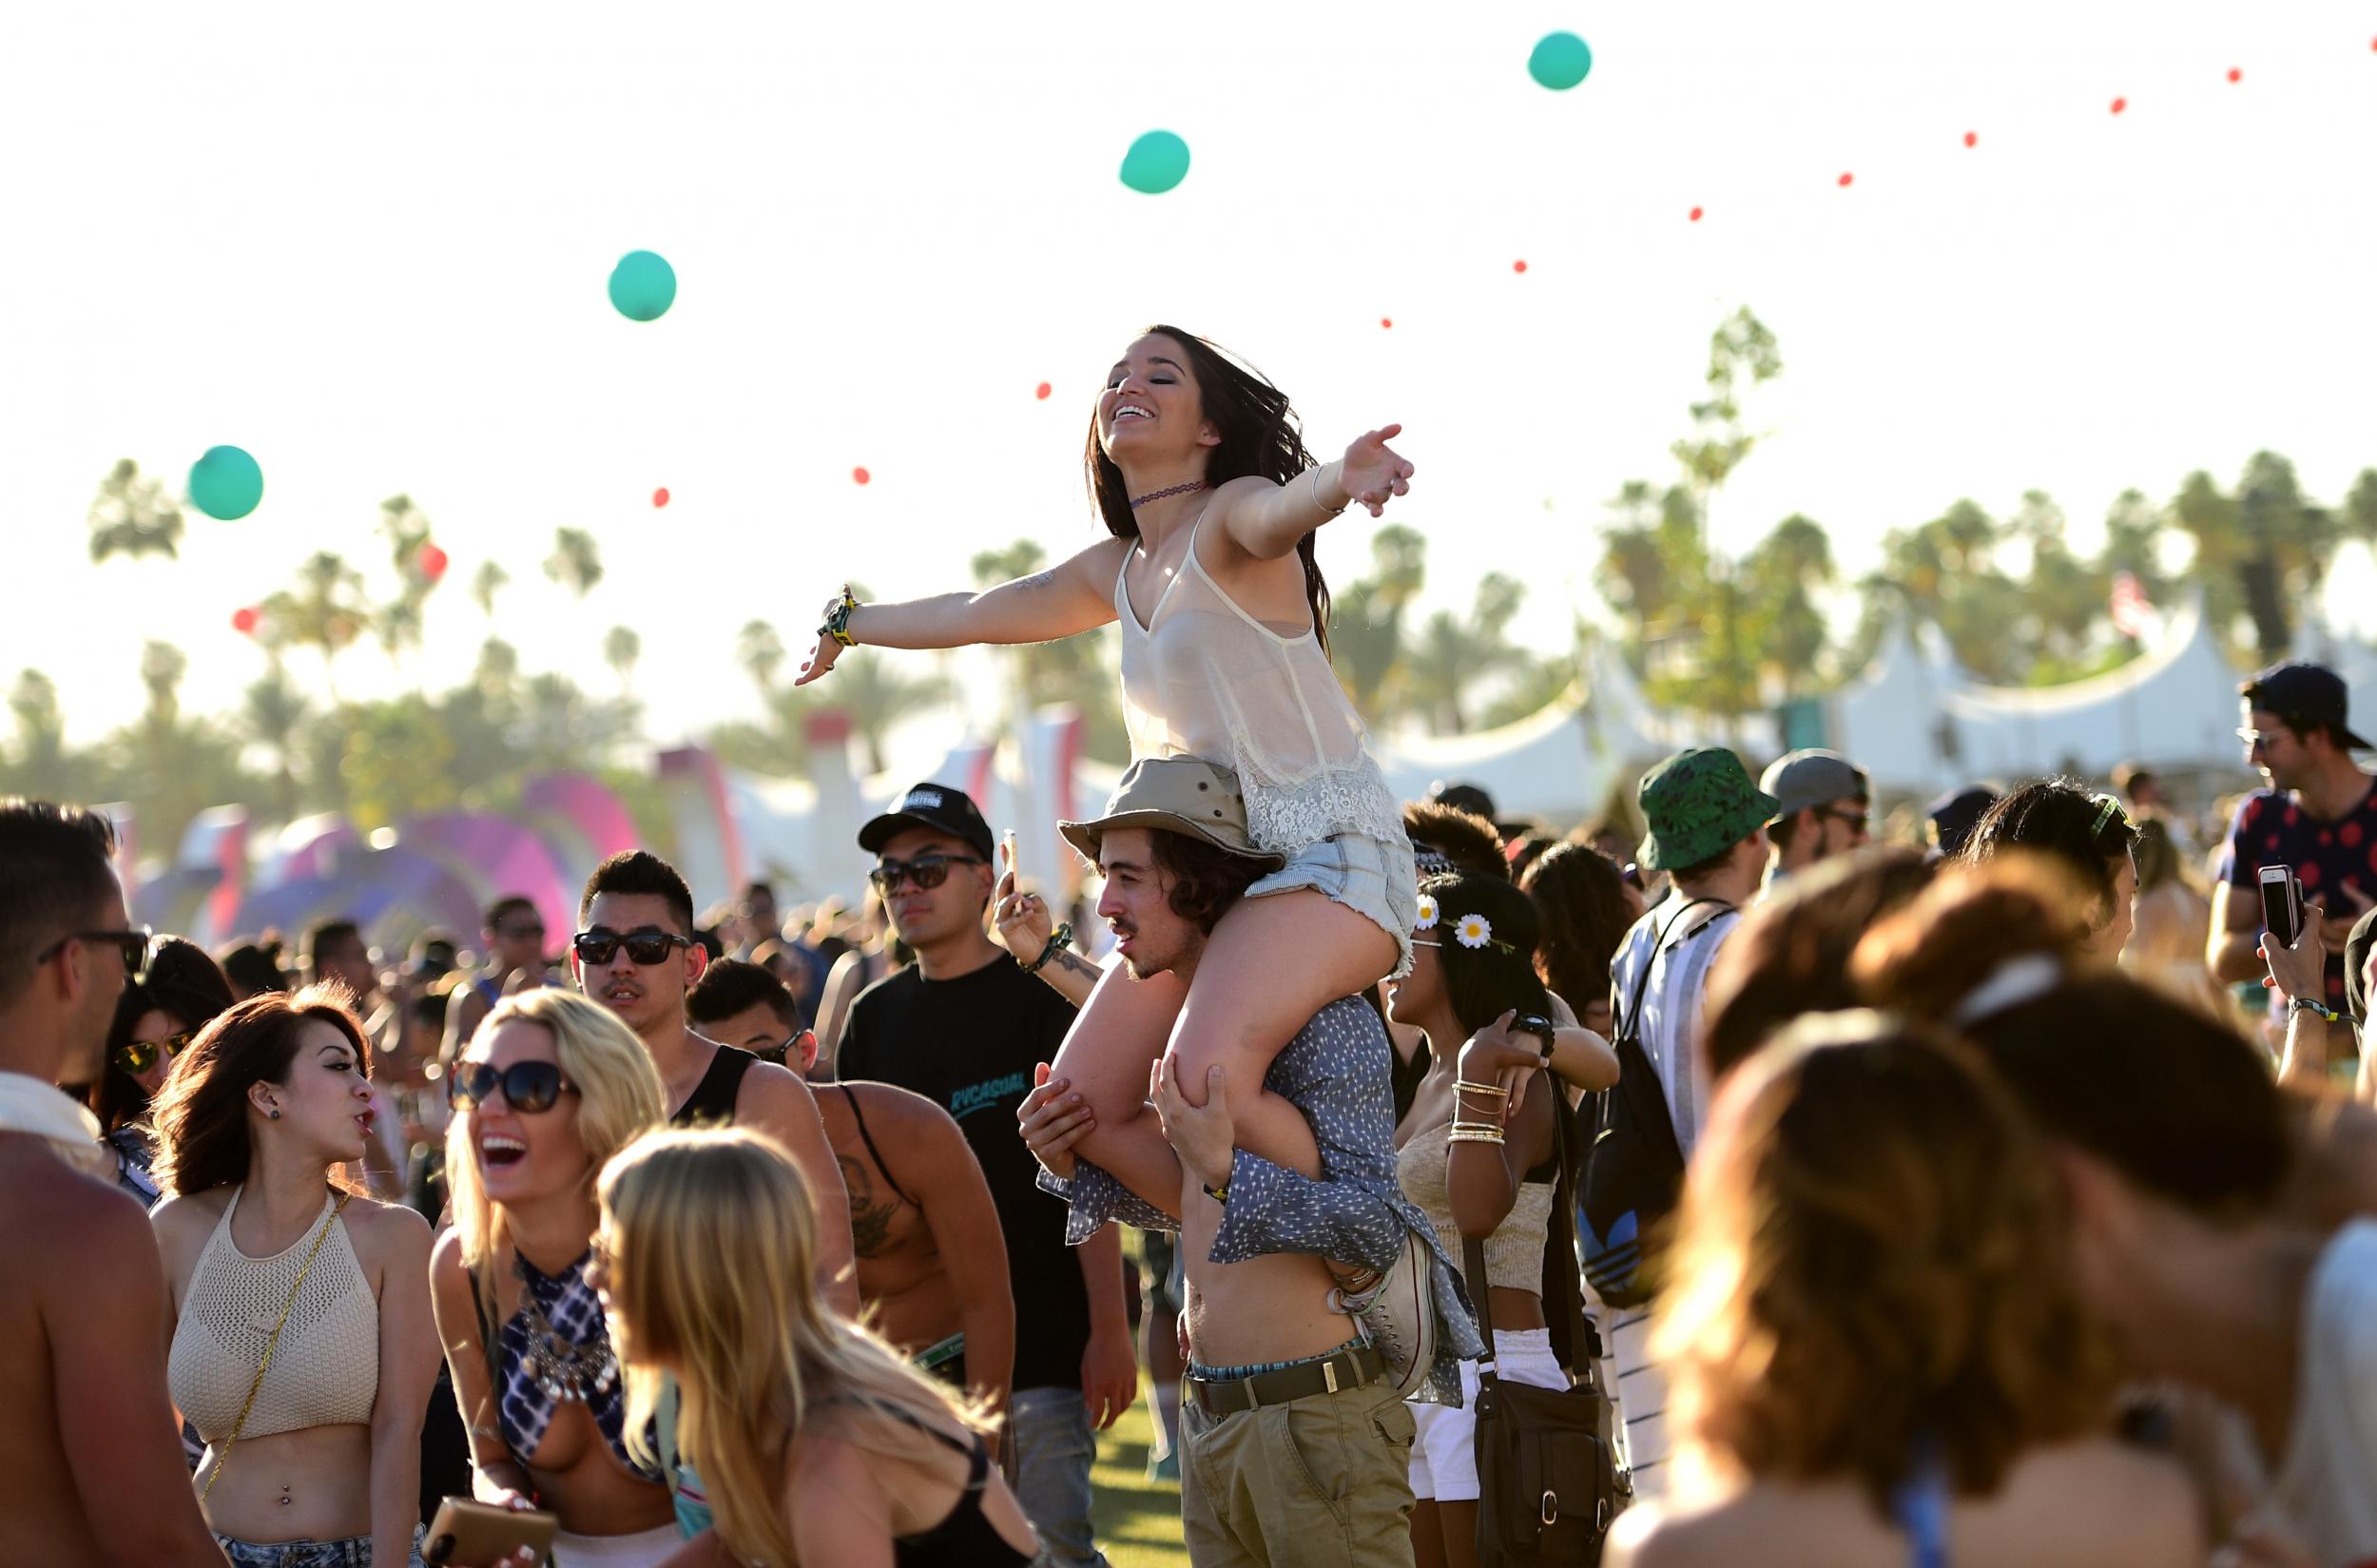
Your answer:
<point x="1023" y="922"/>
<point x="1497" y="1055"/>
<point x="1052" y="1120"/>
<point x="827" y="650"/>
<point x="1372" y="473"/>
<point x="1203" y="1136"/>
<point x="2300" y="970"/>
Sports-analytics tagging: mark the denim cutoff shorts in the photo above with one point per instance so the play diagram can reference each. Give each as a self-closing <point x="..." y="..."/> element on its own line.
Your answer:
<point x="1371" y="878"/>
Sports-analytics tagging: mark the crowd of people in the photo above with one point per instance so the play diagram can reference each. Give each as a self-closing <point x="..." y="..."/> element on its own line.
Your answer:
<point x="1771" y="1181"/>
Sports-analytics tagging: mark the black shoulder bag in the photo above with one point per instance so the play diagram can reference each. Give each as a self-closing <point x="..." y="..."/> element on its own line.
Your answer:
<point x="1548" y="1482"/>
<point x="1634" y="1169"/>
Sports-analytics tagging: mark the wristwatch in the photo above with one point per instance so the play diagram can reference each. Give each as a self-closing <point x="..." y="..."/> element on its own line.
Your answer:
<point x="1540" y="1027"/>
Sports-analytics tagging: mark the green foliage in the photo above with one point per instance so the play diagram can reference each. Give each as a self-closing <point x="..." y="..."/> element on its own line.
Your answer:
<point x="576" y="561"/>
<point x="1082" y="670"/>
<point x="133" y="516"/>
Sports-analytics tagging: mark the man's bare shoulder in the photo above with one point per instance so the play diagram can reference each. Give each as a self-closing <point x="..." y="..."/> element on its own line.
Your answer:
<point x="771" y="1096"/>
<point x="75" y="1221"/>
<point x="916" y="1137"/>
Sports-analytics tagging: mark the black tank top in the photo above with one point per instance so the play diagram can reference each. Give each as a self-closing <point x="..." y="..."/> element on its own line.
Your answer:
<point x="965" y="1537"/>
<point x="712" y="1102"/>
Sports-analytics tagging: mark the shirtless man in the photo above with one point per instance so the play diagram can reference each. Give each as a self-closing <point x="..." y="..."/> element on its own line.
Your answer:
<point x="932" y="1262"/>
<point x="636" y="954"/>
<point x="1262" y="1319"/>
<point x="83" y="1294"/>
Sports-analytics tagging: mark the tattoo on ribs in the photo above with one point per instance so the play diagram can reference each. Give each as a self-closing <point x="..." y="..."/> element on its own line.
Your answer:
<point x="870" y="1221"/>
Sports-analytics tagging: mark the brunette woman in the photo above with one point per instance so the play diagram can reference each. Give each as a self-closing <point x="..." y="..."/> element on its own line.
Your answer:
<point x="550" y="1086"/>
<point x="1201" y="476"/>
<point x="1479" y="1166"/>
<point x="302" y="1347"/>
<point x="1876" y="1340"/>
<point x="820" y="1443"/>
<point x="155" y="1021"/>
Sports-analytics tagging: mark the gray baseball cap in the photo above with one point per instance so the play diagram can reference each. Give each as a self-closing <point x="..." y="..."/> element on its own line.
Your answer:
<point x="1813" y="777"/>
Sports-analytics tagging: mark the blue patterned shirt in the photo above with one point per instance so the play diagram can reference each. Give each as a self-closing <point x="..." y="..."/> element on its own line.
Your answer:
<point x="1336" y="1071"/>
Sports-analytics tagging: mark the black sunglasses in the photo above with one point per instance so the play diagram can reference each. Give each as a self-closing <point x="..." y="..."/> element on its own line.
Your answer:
<point x="138" y="1056"/>
<point x="527" y="1086"/>
<point x="647" y="947"/>
<point x="926" y="871"/>
<point x="133" y="944"/>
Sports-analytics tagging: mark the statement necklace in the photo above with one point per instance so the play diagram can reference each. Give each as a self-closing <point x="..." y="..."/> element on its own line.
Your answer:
<point x="1138" y="501"/>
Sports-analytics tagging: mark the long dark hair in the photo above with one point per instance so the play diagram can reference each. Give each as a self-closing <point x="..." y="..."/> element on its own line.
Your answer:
<point x="202" y="1112"/>
<point x="2056" y="817"/>
<point x="183" y="984"/>
<point x="1260" y="434"/>
<point x="1482" y="983"/>
<point x="1581" y="894"/>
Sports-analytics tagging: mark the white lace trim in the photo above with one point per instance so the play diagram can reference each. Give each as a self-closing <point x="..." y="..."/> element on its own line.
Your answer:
<point x="1284" y="818"/>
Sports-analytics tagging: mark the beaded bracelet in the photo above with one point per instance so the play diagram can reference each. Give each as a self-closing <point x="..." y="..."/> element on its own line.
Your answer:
<point x="1464" y="1085"/>
<point x="1056" y="943"/>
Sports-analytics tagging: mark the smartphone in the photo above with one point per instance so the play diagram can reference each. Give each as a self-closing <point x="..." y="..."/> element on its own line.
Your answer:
<point x="468" y="1532"/>
<point x="2281" y="904"/>
<point x="1009" y="842"/>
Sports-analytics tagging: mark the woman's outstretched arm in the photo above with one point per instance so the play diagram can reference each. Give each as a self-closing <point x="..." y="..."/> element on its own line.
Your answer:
<point x="1072" y="597"/>
<point x="1267" y="521"/>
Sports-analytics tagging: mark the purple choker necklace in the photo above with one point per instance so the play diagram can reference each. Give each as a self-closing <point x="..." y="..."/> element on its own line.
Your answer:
<point x="1138" y="501"/>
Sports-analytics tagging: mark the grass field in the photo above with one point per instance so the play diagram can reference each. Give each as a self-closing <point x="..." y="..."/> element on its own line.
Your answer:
<point x="1137" y="1520"/>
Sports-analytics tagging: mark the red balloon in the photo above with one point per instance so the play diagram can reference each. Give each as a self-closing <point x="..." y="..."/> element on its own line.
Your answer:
<point x="2235" y="76"/>
<point x="1386" y="321"/>
<point x="660" y="496"/>
<point x="243" y="621"/>
<point x="1695" y="218"/>
<point x="432" y="562"/>
<point x="2120" y="104"/>
<point x="1845" y="179"/>
<point x="1972" y="138"/>
<point x="1518" y="266"/>
<point x="860" y="475"/>
<point x="1042" y="391"/>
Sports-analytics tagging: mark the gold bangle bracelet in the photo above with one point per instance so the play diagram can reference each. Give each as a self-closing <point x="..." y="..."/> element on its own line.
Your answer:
<point x="1475" y="1134"/>
<point x="1466" y="1087"/>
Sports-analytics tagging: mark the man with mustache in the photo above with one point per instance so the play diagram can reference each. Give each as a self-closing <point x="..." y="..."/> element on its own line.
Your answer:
<point x="637" y="954"/>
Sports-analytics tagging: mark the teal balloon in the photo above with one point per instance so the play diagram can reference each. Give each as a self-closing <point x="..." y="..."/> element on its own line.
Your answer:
<point x="643" y="287"/>
<point x="1560" y="60"/>
<point x="1155" y="162"/>
<point x="226" y="483"/>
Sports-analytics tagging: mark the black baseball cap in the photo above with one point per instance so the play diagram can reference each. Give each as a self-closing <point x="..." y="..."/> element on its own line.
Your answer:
<point x="2299" y="690"/>
<point x="933" y="805"/>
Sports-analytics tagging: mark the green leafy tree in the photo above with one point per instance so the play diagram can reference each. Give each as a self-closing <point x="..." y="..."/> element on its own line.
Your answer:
<point x="1367" y="615"/>
<point x="325" y="611"/>
<point x="2360" y="507"/>
<point x="490" y="580"/>
<point x="1454" y="655"/>
<point x="40" y="764"/>
<point x="622" y="647"/>
<point x="761" y="652"/>
<point x="576" y="561"/>
<point x="1782" y="575"/>
<point x="271" y="713"/>
<point x="398" y="623"/>
<point x="133" y="516"/>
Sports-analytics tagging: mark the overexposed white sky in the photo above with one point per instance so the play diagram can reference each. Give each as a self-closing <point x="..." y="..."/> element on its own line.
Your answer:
<point x="370" y="246"/>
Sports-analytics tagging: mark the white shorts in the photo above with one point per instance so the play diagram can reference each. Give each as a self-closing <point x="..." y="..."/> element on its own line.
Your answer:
<point x="1445" y="1455"/>
<point x="645" y="1549"/>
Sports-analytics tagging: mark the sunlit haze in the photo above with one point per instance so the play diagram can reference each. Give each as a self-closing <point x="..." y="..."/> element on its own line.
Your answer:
<point x="370" y="248"/>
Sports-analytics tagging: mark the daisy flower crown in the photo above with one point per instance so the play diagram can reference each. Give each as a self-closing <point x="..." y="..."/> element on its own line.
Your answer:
<point x="1471" y="931"/>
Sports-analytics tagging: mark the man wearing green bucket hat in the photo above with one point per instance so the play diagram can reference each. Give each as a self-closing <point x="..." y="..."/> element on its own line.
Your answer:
<point x="1708" y="832"/>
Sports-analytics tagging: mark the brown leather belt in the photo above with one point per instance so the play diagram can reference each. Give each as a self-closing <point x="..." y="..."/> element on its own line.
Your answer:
<point x="1333" y="1374"/>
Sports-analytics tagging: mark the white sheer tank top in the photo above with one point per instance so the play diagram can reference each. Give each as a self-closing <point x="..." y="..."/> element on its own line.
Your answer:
<point x="1202" y="678"/>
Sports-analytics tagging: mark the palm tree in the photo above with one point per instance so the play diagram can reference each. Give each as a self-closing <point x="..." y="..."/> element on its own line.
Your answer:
<point x="1454" y="653"/>
<point x="133" y="516"/>
<point x="758" y="650"/>
<point x="620" y="649"/>
<point x="576" y="561"/>
<point x="274" y="709"/>
<point x="876" y="696"/>
<point x="324" y="612"/>
<point x="1367" y="617"/>
<point x="489" y="581"/>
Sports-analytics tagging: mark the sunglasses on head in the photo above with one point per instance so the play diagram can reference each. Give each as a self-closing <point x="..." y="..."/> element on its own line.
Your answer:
<point x="2108" y="813"/>
<point x="132" y="944"/>
<point x="926" y="871"/>
<point x="647" y="947"/>
<point x="138" y="1056"/>
<point x="527" y="1086"/>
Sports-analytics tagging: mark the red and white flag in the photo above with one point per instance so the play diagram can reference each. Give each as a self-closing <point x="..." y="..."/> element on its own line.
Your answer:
<point x="2134" y="614"/>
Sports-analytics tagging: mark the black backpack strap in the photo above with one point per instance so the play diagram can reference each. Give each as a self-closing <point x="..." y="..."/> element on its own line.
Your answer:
<point x="1628" y="1019"/>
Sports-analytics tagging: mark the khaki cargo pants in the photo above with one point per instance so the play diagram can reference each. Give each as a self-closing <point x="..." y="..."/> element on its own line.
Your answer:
<point x="1323" y="1479"/>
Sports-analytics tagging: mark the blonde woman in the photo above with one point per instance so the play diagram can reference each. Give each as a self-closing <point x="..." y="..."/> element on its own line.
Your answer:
<point x="550" y="1086"/>
<point x="820" y="1443"/>
<point x="300" y="1323"/>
